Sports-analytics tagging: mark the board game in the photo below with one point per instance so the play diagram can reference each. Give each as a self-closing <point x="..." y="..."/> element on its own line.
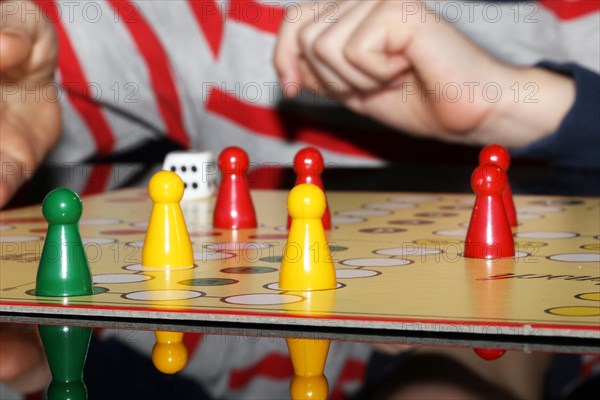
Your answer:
<point x="398" y="259"/>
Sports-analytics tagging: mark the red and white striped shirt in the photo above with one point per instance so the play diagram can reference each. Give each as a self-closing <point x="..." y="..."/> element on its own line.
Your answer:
<point x="199" y="72"/>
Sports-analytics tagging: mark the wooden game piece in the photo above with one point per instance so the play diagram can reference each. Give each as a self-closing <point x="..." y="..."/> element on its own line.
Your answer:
<point x="308" y="359"/>
<point x="66" y="349"/>
<point x="169" y="353"/>
<point x="234" y="208"/>
<point x="167" y="243"/>
<point x="489" y="234"/>
<point x="306" y="263"/>
<point x="496" y="154"/>
<point x="63" y="269"/>
<point x="489" y="354"/>
<point x="309" y="165"/>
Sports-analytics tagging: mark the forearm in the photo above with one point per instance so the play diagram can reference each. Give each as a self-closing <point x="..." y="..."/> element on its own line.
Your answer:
<point x="532" y="105"/>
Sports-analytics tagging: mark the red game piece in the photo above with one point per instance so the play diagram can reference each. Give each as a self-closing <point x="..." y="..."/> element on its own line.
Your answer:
<point x="309" y="165"/>
<point x="489" y="354"/>
<point x="496" y="154"/>
<point x="489" y="234"/>
<point x="234" y="208"/>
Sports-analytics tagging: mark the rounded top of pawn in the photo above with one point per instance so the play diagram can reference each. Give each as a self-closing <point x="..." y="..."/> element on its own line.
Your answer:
<point x="309" y="159"/>
<point x="488" y="179"/>
<point x="496" y="154"/>
<point x="233" y="160"/>
<point x="165" y="187"/>
<point x="62" y="206"/>
<point x="306" y="201"/>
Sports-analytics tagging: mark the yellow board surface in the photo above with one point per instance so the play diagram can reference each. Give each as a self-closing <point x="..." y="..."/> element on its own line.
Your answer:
<point x="397" y="258"/>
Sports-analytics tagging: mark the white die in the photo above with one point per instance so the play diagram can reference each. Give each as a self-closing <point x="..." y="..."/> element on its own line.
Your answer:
<point x="198" y="171"/>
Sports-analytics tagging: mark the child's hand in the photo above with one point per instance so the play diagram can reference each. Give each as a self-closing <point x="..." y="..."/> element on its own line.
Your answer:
<point x="29" y="111"/>
<point x="404" y="65"/>
<point x="23" y="365"/>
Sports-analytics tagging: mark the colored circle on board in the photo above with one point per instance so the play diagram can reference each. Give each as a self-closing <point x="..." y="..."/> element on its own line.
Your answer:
<point x="204" y="257"/>
<point x="410" y="222"/>
<point x="575" y="311"/>
<point x="457" y="207"/>
<point x="539" y="209"/>
<point x="408" y="251"/>
<point x="275" y="286"/>
<point x="341" y="220"/>
<point x="528" y="217"/>
<point x="557" y="202"/>
<point x="352" y="273"/>
<point x="389" y="206"/>
<point x="23" y="220"/>
<point x="382" y="230"/>
<point x="97" y="241"/>
<point x="238" y="246"/>
<point x="336" y="249"/>
<point x="163" y="295"/>
<point x="208" y="282"/>
<point x="118" y="232"/>
<point x="140" y="267"/>
<point x="268" y="236"/>
<point x="593" y="247"/>
<point x="363" y="213"/>
<point x="530" y="245"/>
<point x="205" y="234"/>
<point x="248" y="270"/>
<point x="262" y="299"/>
<point x="100" y="221"/>
<point x="592" y="296"/>
<point x="19" y="239"/>
<point x="414" y="199"/>
<point x="126" y="200"/>
<point x="451" y="232"/>
<point x="272" y="259"/>
<point x="434" y="243"/>
<point x="439" y="214"/>
<point x="376" y="262"/>
<point x="120" y="278"/>
<point x="546" y="235"/>
<point x="576" y="257"/>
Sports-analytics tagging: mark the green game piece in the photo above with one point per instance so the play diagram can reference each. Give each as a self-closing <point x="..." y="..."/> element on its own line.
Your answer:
<point x="64" y="268"/>
<point x="66" y="349"/>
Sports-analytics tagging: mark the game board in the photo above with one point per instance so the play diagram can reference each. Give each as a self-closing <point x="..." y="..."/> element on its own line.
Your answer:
<point x="397" y="256"/>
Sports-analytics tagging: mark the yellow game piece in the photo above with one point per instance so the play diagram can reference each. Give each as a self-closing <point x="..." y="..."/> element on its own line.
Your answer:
<point x="169" y="353"/>
<point x="167" y="243"/>
<point x="306" y="261"/>
<point x="308" y="359"/>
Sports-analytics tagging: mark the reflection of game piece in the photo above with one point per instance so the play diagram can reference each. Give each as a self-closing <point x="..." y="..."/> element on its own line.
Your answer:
<point x="489" y="234"/>
<point x="496" y="154"/>
<point x="169" y="353"/>
<point x="234" y="208"/>
<point x="63" y="268"/>
<point x="308" y="359"/>
<point x="490" y="354"/>
<point x="309" y="165"/>
<point x="167" y="243"/>
<point x="66" y="349"/>
<point x="198" y="171"/>
<point x="306" y="261"/>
